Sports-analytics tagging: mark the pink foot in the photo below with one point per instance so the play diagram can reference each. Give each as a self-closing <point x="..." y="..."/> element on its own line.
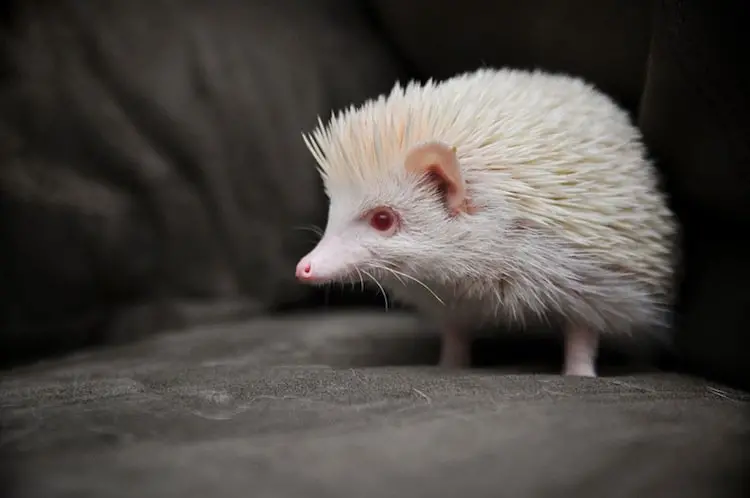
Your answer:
<point x="581" y="345"/>
<point x="455" y="349"/>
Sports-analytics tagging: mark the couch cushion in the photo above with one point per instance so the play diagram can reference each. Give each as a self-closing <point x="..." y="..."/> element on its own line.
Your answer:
<point x="327" y="406"/>
<point x="151" y="156"/>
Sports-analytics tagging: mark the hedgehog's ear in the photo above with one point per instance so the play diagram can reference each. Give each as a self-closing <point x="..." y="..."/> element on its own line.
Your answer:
<point x="438" y="163"/>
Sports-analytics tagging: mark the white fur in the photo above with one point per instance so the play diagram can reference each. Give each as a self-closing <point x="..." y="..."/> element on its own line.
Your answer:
<point x="570" y="222"/>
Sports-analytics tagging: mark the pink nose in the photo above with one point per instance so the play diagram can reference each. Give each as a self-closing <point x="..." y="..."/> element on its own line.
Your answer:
<point x="304" y="270"/>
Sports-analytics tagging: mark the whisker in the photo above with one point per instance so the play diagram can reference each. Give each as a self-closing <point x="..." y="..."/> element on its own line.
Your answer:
<point x="414" y="279"/>
<point x="361" y="280"/>
<point x="396" y="275"/>
<point x="385" y="296"/>
<point x="310" y="228"/>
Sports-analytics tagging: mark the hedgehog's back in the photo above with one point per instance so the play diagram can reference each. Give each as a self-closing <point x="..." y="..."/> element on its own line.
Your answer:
<point x="496" y="118"/>
<point x="566" y="157"/>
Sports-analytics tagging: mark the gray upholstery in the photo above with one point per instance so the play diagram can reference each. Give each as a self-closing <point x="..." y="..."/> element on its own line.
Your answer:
<point x="309" y="407"/>
<point x="158" y="149"/>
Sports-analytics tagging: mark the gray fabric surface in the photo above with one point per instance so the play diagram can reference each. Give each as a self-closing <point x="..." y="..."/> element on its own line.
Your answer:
<point x="325" y="406"/>
<point x="155" y="146"/>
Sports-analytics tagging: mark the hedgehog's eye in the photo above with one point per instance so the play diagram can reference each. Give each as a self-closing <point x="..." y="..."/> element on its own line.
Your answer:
<point x="383" y="219"/>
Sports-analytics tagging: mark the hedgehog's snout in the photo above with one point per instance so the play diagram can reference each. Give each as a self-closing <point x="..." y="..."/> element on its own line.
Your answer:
<point x="332" y="259"/>
<point x="313" y="268"/>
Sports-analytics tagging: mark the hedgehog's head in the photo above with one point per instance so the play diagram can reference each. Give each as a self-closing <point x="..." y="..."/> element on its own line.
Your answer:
<point x="403" y="220"/>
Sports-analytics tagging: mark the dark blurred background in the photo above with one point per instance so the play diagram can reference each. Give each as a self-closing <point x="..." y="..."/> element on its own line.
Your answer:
<point x="153" y="178"/>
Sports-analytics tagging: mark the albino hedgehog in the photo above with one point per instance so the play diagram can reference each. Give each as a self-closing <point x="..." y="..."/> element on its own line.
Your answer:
<point x="498" y="197"/>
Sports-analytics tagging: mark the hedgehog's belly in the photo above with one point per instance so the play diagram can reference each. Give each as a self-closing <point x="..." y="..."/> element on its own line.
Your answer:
<point x="458" y="306"/>
<point x="614" y="305"/>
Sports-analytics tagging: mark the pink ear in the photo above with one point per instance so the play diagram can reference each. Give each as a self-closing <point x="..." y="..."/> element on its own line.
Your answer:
<point x="439" y="162"/>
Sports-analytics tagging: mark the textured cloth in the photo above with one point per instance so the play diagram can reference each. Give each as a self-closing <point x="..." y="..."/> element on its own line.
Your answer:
<point x="155" y="148"/>
<point x="308" y="407"/>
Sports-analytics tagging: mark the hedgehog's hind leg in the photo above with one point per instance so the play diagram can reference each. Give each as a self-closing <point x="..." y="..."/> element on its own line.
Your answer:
<point x="581" y="347"/>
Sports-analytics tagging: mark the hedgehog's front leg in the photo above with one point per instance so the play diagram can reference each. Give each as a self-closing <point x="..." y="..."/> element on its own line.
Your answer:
<point x="455" y="348"/>
<point x="581" y="346"/>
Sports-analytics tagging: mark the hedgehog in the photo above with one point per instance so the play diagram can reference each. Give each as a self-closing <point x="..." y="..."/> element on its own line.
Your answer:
<point x="499" y="197"/>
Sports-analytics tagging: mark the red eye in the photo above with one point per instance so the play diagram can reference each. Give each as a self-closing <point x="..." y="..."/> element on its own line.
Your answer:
<point x="382" y="219"/>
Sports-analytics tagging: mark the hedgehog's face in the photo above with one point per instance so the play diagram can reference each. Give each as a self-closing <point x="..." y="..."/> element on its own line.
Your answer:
<point x="400" y="224"/>
<point x="366" y="232"/>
